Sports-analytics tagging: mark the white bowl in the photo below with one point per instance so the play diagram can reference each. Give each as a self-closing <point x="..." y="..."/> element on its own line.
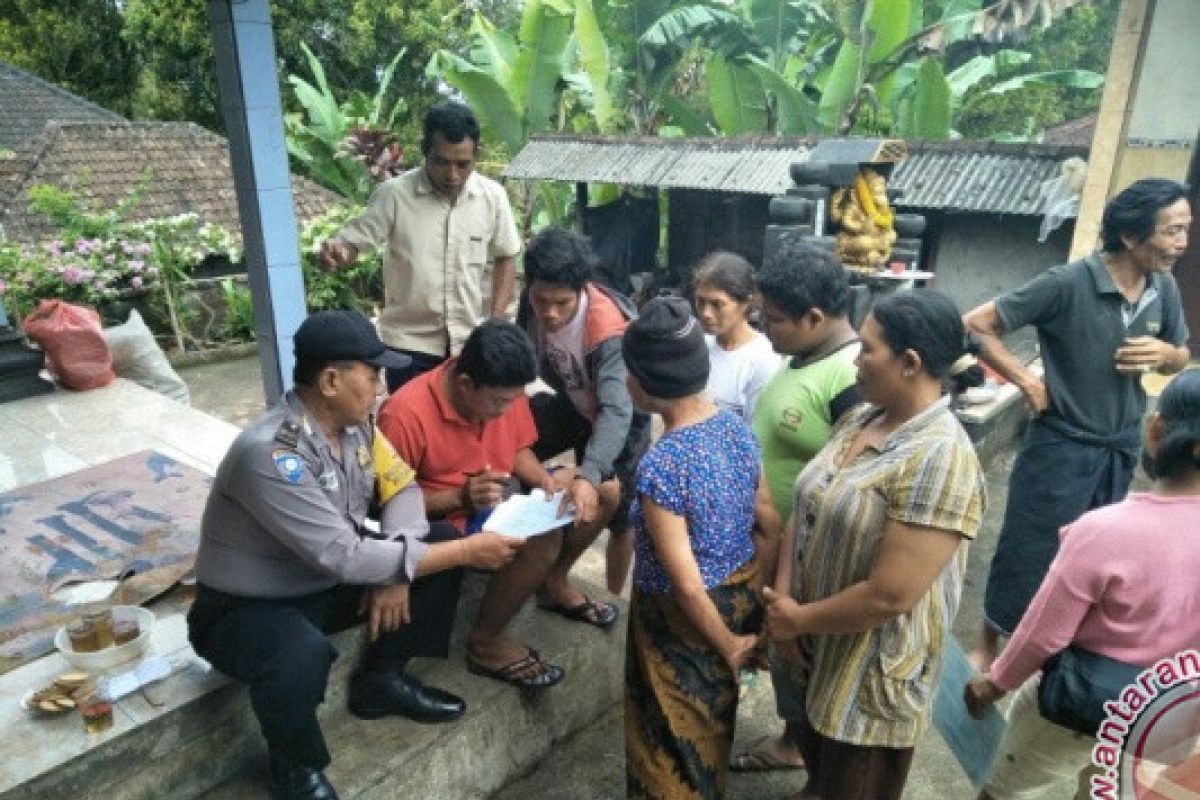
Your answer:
<point x="110" y="658"/>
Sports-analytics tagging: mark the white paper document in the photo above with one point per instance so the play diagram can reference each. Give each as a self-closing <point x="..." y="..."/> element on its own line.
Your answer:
<point x="526" y="515"/>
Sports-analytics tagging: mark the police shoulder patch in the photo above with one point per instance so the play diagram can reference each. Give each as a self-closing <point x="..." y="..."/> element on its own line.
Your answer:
<point x="290" y="465"/>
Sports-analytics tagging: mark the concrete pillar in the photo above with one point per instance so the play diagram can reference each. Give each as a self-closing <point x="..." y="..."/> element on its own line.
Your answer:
<point x="1124" y="65"/>
<point x="244" y="46"/>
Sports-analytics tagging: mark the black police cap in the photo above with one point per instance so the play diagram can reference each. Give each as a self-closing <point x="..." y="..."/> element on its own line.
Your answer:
<point x="344" y="335"/>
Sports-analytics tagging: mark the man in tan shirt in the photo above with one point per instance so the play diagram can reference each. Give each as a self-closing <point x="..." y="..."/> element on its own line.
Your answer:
<point x="442" y="223"/>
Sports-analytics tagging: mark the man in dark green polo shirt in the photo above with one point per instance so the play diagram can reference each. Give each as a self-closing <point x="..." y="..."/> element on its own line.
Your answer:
<point x="1102" y="322"/>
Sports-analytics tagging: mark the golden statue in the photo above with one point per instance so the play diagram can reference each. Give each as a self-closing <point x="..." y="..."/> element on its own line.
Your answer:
<point x="865" y="222"/>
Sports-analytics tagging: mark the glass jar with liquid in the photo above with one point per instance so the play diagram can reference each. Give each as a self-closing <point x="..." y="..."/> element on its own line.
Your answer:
<point x="102" y="620"/>
<point x="83" y="636"/>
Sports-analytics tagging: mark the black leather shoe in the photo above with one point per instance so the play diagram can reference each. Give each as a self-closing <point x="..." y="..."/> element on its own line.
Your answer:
<point x="379" y="694"/>
<point x="297" y="782"/>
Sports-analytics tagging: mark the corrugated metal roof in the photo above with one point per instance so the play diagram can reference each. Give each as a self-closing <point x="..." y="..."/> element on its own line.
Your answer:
<point x="983" y="179"/>
<point x="751" y="166"/>
<point x="962" y="176"/>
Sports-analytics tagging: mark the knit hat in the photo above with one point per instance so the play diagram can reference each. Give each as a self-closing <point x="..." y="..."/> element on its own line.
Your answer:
<point x="664" y="349"/>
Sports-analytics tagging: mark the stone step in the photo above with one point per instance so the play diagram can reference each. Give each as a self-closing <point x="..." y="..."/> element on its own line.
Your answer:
<point x="194" y="735"/>
<point x="504" y="733"/>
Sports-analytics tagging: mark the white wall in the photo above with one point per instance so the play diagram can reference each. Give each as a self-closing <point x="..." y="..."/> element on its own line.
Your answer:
<point x="982" y="255"/>
<point x="1166" y="102"/>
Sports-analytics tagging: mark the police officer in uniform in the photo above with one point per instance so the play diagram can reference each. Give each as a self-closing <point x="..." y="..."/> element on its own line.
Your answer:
<point x="284" y="551"/>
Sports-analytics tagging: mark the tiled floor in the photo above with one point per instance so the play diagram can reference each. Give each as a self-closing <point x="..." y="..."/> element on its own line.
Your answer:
<point x="51" y="435"/>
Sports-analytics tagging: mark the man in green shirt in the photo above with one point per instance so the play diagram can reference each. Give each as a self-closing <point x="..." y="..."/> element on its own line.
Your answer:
<point x="806" y="303"/>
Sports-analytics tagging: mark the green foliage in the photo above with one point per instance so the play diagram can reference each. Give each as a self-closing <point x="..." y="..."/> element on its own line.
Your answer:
<point x="75" y="44"/>
<point x="980" y="68"/>
<point x="794" y="112"/>
<point x="554" y="74"/>
<point x="595" y="59"/>
<point x="1070" y="78"/>
<point x="75" y="220"/>
<point x="177" y="76"/>
<point x="1080" y="40"/>
<point x="841" y="85"/>
<point x="769" y="47"/>
<point x="677" y="27"/>
<point x="514" y="84"/>
<point x="318" y="139"/>
<point x="736" y="96"/>
<point x="97" y="258"/>
<point x="239" y="310"/>
<point x="354" y="40"/>
<point x="358" y="286"/>
<point x="929" y="114"/>
<point x="872" y="34"/>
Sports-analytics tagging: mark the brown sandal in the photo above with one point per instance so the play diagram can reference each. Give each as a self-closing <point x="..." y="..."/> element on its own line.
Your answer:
<point x="757" y="758"/>
<point x="547" y="674"/>
<point x="592" y="612"/>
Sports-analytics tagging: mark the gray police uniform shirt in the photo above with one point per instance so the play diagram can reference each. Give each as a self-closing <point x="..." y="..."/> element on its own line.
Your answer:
<point x="1081" y="319"/>
<point x="285" y="518"/>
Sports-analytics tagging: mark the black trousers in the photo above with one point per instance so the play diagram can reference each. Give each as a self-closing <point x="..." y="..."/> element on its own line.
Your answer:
<point x="279" y="648"/>
<point x="560" y="427"/>
<point x="421" y="363"/>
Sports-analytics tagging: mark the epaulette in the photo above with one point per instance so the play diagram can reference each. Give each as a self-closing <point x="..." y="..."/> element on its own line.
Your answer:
<point x="288" y="433"/>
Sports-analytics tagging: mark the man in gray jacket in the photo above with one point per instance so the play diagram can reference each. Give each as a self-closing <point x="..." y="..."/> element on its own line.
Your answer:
<point x="576" y="326"/>
<point x="284" y="547"/>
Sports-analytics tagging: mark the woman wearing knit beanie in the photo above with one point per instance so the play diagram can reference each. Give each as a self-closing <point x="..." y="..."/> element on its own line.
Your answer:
<point x="702" y="519"/>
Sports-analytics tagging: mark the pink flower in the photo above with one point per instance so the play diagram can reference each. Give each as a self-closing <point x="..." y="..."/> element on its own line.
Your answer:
<point x="53" y="248"/>
<point x="3" y="287"/>
<point x="136" y="281"/>
<point x="98" y="286"/>
<point x="72" y="276"/>
<point x="109" y="258"/>
<point x="136" y="266"/>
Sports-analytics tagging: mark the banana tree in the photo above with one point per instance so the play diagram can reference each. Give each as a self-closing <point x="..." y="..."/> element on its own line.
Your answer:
<point x="558" y="65"/>
<point x="890" y="58"/>
<point x="927" y="107"/>
<point x="513" y="83"/>
<point x="744" y="53"/>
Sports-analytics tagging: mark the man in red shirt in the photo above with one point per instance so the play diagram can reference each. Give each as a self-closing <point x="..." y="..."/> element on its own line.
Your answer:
<point x="467" y="430"/>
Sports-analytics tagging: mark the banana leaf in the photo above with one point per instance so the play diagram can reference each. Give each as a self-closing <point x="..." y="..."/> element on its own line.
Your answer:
<point x="735" y="95"/>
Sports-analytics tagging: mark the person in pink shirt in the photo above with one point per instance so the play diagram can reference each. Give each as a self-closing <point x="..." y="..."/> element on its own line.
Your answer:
<point x="1124" y="585"/>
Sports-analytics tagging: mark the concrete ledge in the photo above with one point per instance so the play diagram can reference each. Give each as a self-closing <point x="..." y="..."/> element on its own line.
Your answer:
<point x="194" y="734"/>
<point x="504" y="733"/>
<point x="145" y="753"/>
<point x="994" y="425"/>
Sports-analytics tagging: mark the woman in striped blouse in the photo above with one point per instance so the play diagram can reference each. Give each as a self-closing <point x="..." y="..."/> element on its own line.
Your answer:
<point x="871" y="567"/>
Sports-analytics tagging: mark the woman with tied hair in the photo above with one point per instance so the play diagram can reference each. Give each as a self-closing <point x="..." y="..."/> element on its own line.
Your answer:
<point x="703" y="527"/>
<point x="741" y="359"/>
<point x="871" y="568"/>
<point x="1124" y="585"/>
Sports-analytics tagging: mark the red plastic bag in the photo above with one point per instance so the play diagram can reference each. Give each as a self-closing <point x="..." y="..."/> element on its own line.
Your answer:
<point x="75" y="348"/>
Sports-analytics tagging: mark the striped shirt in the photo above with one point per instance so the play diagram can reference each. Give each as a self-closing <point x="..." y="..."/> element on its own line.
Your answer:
<point x="875" y="688"/>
